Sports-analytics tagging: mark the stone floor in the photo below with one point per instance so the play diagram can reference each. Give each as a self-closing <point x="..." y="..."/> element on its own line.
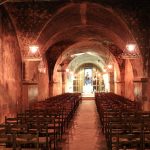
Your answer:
<point x="84" y="132"/>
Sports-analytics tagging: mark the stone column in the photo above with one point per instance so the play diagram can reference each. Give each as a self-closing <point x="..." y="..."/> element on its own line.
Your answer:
<point x="119" y="87"/>
<point x="142" y="92"/>
<point x="111" y="81"/>
<point x="121" y="81"/>
<point x="51" y="88"/>
<point x="55" y="88"/>
<point x="63" y="82"/>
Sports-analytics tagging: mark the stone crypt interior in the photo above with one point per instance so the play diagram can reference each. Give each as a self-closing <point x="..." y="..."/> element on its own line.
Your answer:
<point x="86" y="57"/>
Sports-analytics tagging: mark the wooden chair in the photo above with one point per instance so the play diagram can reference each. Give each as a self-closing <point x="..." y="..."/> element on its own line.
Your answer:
<point x="5" y="139"/>
<point x="26" y="141"/>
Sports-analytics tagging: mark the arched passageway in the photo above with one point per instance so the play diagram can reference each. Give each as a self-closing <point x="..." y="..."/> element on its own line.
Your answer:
<point x="50" y="49"/>
<point x="72" y="34"/>
<point x="92" y="41"/>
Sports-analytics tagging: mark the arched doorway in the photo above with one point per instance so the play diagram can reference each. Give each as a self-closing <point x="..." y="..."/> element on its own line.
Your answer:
<point x="88" y="78"/>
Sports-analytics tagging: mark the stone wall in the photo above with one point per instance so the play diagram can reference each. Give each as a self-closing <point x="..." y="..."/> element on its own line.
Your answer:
<point x="10" y="68"/>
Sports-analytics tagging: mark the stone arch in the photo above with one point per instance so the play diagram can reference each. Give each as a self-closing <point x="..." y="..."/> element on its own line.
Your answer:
<point x="93" y="23"/>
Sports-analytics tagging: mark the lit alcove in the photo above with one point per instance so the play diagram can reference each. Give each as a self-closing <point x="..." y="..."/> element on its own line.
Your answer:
<point x="87" y="78"/>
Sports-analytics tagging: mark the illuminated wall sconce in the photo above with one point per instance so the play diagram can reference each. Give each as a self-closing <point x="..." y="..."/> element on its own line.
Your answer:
<point x="33" y="53"/>
<point x="33" y="49"/>
<point x="131" y="47"/>
<point x="110" y="66"/>
<point x="67" y="70"/>
<point x="104" y="70"/>
<point x="99" y="75"/>
<point x="130" y="52"/>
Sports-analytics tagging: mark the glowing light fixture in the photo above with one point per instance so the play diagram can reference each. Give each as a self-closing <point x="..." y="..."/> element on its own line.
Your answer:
<point x="131" y="47"/>
<point x="33" y="53"/>
<point x="109" y="66"/>
<point x="67" y="70"/>
<point x="130" y="52"/>
<point x="33" y="49"/>
<point x="99" y="74"/>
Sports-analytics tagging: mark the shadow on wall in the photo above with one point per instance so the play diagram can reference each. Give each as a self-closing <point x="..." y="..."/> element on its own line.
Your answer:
<point x="7" y="106"/>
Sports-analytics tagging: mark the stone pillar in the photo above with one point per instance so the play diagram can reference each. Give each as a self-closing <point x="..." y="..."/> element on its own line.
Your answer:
<point x="121" y="82"/>
<point x="119" y="87"/>
<point x="142" y="92"/>
<point x="111" y="81"/>
<point x="55" y="89"/>
<point x="51" y="88"/>
<point x="63" y="82"/>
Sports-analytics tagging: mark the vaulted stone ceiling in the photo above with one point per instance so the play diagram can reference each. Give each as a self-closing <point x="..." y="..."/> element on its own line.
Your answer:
<point x="57" y="24"/>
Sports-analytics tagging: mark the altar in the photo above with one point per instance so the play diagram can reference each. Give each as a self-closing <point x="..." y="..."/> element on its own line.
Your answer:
<point x="87" y="89"/>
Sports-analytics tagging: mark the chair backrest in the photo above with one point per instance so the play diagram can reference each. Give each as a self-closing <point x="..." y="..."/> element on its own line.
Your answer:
<point x="26" y="141"/>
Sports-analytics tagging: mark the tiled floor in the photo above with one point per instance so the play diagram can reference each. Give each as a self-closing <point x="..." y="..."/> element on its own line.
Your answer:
<point x="85" y="132"/>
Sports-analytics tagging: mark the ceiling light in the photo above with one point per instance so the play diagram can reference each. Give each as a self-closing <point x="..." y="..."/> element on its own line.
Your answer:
<point x="131" y="47"/>
<point x="67" y="70"/>
<point x="130" y="52"/>
<point x="99" y="74"/>
<point x="33" y="48"/>
<point x="109" y="66"/>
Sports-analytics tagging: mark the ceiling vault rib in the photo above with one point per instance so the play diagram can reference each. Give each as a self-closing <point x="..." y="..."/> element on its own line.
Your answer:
<point x="83" y="10"/>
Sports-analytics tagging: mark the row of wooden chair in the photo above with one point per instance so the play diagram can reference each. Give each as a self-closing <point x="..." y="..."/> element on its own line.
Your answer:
<point x="123" y="122"/>
<point x="42" y="125"/>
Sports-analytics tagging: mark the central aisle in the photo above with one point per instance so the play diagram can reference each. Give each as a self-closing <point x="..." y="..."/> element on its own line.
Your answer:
<point x="85" y="132"/>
